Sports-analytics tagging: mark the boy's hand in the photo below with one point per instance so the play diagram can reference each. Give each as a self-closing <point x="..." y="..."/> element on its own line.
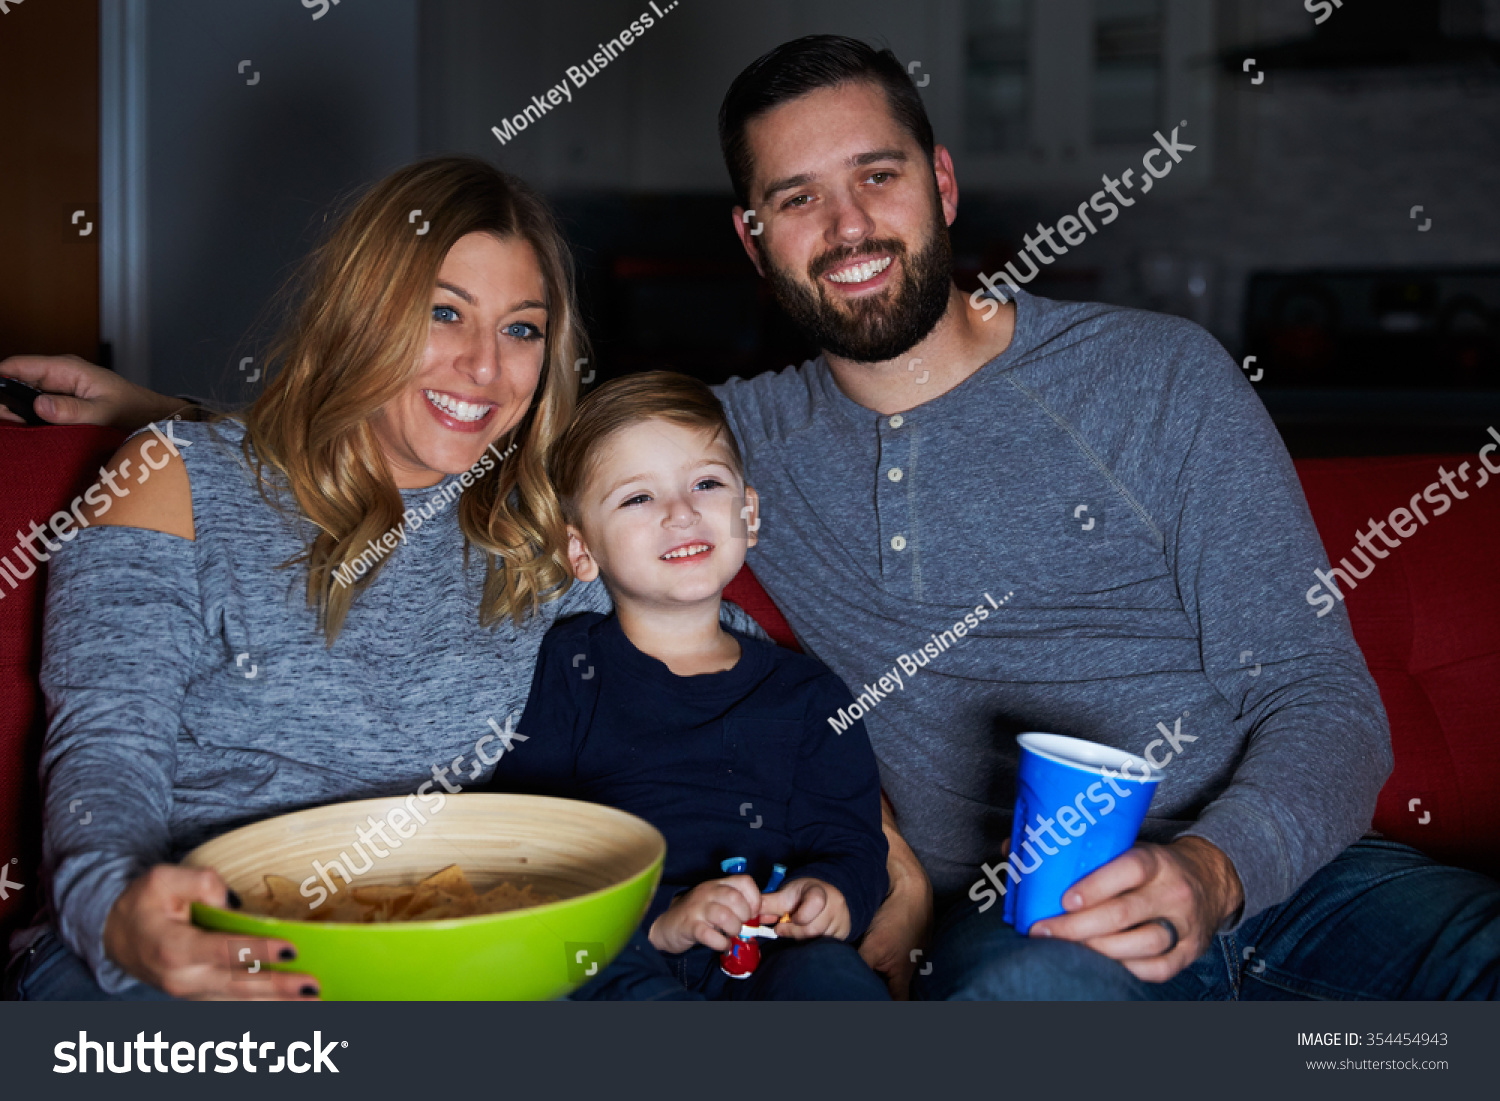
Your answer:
<point x="710" y="914"/>
<point x="817" y="908"/>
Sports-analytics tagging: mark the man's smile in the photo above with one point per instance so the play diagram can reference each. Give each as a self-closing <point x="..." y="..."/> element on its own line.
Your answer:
<point x="859" y="271"/>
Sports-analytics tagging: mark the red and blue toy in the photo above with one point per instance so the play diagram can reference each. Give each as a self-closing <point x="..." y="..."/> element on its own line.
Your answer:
<point x="743" y="956"/>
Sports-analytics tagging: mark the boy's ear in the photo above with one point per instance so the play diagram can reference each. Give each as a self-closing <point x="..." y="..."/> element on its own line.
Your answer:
<point x="750" y="514"/>
<point x="584" y="566"/>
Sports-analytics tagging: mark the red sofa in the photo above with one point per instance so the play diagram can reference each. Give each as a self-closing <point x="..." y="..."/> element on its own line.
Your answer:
<point x="41" y="471"/>
<point x="1428" y="620"/>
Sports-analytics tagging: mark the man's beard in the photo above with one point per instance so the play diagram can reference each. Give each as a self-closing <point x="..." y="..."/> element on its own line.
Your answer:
<point x="877" y="327"/>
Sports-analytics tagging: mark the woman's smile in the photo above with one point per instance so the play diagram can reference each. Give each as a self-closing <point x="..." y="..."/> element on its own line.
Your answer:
<point x="456" y="413"/>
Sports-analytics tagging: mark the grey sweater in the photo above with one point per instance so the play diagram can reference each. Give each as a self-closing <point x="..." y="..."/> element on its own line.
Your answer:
<point x="1115" y="485"/>
<point x="189" y="690"/>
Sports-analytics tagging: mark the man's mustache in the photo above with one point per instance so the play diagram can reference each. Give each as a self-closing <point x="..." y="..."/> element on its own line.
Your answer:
<point x="839" y="257"/>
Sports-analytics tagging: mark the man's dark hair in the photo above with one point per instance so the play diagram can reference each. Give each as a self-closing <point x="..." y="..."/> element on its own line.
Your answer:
<point x="804" y="65"/>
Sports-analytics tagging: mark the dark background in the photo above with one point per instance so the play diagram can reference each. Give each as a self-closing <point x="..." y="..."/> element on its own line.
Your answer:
<point x="1288" y="232"/>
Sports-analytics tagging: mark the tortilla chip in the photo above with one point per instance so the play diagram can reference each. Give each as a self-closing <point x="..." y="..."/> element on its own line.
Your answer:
<point x="444" y="894"/>
<point x="450" y="879"/>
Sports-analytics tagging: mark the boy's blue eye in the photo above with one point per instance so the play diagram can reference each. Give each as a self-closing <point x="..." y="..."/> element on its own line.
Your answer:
<point x="709" y="483"/>
<point x="523" y="330"/>
<point x="637" y="499"/>
<point x="439" y="311"/>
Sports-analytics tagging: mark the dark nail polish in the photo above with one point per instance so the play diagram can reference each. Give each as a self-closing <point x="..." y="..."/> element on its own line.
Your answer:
<point x="234" y="899"/>
<point x="287" y="954"/>
<point x="309" y="991"/>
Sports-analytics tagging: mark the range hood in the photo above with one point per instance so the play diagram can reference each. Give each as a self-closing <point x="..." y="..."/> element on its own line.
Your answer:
<point x="1440" y="36"/>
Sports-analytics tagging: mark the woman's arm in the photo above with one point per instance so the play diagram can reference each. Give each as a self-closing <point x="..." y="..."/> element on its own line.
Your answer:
<point x="80" y="393"/>
<point x="122" y="633"/>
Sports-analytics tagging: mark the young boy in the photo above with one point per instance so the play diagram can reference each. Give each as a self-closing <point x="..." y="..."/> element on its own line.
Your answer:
<point x="719" y="740"/>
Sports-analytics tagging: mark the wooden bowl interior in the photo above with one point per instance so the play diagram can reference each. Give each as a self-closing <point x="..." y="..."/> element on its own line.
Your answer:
<point x="561" y="846"/>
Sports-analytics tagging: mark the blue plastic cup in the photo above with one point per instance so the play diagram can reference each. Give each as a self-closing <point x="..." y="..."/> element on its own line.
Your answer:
<point x="1082" y="801"/>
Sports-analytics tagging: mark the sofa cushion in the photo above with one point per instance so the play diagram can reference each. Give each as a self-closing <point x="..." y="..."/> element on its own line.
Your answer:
<point x="745" y="590"/>
<point x="1428" y="621"/>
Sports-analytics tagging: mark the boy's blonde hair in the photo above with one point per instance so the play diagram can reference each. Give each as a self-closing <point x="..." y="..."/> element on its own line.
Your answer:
<point x="620" y="403"/>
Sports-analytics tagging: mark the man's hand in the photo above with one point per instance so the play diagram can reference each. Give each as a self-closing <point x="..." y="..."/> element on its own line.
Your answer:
<point x="709" y="914"/>
<point x="80" y="393"/>
<point x="1190" y="882"/>
<point x="817" y="909"/>
<point x="902" y="923"/>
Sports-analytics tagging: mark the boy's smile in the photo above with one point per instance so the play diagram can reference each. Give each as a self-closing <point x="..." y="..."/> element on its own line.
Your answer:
<point x="689" y="552"/>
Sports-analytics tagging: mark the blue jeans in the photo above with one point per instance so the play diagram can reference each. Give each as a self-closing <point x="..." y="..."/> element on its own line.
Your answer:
<point x="1381" y="922"/>
<point x="824" y="969"/>
<point x="48" y="971"/>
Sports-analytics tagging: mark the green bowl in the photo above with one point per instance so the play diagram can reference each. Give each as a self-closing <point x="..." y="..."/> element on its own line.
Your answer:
<point x="604" y="863"/>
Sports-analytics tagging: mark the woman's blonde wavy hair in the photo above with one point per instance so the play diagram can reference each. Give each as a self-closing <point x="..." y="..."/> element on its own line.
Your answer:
<point x="357" y="341"/>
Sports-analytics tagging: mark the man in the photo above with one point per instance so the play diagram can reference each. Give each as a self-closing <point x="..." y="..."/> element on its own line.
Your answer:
<point x="1107" y="487"/>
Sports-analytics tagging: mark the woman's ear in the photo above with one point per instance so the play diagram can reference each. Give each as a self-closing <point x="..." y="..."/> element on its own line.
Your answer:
<point x="584" y="566"/>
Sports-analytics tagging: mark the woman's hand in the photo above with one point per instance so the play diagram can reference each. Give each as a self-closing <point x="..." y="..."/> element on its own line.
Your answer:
<point x="816" y="909"/>
<point x="80" y="393"/>
<point x="150" y="934"/>
<point x="709" y="914"/>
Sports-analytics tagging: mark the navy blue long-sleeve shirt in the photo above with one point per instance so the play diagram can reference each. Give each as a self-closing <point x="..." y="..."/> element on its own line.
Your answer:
<point x="738" y="763"/>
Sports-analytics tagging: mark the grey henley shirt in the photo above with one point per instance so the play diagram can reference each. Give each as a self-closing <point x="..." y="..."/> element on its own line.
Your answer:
<point x="1114" y="485"/>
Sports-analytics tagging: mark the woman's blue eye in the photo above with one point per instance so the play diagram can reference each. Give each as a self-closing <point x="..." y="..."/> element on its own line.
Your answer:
<point x="524" y="330"/>
<point x="439" y="310"/>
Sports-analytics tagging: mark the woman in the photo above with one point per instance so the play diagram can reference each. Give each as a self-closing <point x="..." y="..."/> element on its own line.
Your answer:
<point x="306" y="605"/>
